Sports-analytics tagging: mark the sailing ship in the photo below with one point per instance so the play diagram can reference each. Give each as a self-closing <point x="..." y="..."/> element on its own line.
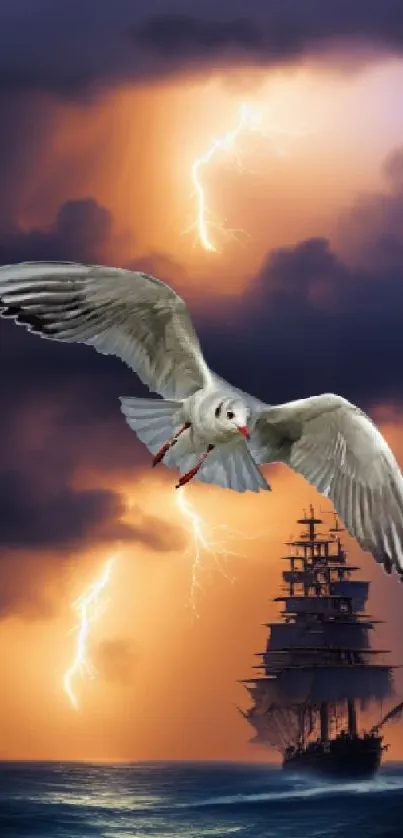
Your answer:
<point x="319" y="673"/>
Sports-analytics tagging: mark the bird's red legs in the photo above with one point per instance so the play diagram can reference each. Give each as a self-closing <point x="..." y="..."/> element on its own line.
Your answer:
<point x="193" y="471"/>
<point x="167" y="445"/>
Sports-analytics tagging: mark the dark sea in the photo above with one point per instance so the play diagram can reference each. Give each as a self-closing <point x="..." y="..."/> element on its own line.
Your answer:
<point x="193" y="800"/>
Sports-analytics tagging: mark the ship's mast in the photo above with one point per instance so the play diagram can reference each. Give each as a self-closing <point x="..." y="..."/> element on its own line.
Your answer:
<point x="312" y="548"/>
<point x="324" y="721"/>
<point x="352" y="717"/>
<point x="320" y="564"/>
<point x="318" y="664"/>
<point x="313" y="540"/>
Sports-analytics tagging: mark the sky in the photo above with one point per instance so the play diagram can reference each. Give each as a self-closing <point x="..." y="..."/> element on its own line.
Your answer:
<point x="105" y="107"/>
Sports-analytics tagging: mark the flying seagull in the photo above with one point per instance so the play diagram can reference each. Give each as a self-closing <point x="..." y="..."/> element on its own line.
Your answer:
<point x="202" y="425"/>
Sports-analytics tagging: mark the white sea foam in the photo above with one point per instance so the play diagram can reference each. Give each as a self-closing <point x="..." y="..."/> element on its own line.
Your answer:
<point x="380" y="785"/>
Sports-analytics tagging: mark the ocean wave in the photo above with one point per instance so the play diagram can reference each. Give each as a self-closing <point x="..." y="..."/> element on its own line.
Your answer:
<point x="315" y="789"/>
<point x="195" y="801"/>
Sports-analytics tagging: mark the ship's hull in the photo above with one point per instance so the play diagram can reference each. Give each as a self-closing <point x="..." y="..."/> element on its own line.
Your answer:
<point x="358" y="758"/>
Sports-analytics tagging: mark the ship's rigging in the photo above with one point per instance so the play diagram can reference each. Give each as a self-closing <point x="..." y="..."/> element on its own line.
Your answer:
<point x="318" y="671"/>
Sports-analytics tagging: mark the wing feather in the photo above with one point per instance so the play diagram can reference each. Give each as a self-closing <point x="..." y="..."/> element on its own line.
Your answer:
<point x="232" y="467"/>
<point x="119" y="312"/>
<point x="338" y="449"/>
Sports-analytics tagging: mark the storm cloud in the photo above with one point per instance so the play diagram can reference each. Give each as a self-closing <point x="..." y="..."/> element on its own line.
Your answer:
<point x="311" y="323"/>
<point x="32" y="516"/>
<point x="75" y="48"/>
<point x="78" y="233"/>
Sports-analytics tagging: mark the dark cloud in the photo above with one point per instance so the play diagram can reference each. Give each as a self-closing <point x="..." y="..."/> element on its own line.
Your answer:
<point x="116" y="661"/>
<point x="310" y="323"/>
<point x="79" y="232"/>
<point x="81" y="47"/>
<point x="38" y="515"/>
<point x="31" y="517"/>
<point x="180" y="35"/>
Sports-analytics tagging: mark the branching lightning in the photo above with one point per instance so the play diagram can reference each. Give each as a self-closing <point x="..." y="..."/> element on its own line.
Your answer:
<point x="249" y="120"/>
<point x="87" y="607"/>
<point x="203" y="542"/>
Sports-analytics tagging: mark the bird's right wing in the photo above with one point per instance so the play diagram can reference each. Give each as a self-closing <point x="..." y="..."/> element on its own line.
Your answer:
<point x="119" y="312"/>
<point x="341" y="452"/>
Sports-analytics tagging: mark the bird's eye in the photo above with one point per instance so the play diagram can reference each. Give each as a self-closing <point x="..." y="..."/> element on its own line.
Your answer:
<point x="230" y="414"/>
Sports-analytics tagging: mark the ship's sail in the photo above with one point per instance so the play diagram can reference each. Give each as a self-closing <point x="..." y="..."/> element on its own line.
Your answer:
<point x="318" y="668"/>
<point x="313" y="685"/>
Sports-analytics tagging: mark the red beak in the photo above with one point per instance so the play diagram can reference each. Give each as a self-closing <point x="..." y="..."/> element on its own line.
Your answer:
<point x="244" y="430"/>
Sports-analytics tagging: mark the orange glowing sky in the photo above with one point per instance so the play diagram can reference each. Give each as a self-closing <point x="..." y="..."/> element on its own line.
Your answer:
<point x="133" y="151"/>
<point x="174" y="695"/>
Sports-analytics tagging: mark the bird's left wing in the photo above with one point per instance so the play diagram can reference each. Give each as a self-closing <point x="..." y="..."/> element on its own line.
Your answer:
<point x="340" y="451"/>
<point x="125" y="313"/>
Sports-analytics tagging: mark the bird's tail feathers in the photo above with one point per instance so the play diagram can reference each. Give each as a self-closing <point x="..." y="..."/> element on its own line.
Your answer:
<point x="233" y="467"/>
<point x="153" y="420"/>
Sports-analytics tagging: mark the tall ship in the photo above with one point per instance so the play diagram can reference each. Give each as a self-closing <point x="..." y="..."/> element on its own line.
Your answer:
<point x="319" y="677"/>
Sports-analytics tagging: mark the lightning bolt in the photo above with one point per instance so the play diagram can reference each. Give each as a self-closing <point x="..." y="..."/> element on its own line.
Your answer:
<point x="249" y="119"/>
<point x="202" y="542"/>
<point x="87" y="607"/>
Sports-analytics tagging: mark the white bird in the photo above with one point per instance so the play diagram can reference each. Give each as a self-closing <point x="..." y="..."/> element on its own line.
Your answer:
<point x="203" y="425"/>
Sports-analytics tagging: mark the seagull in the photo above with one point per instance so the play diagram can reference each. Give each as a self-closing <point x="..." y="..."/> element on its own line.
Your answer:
<point x="202" y="425"/>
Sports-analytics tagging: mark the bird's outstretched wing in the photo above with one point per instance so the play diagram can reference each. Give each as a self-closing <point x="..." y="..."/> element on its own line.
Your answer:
<point x="119" y="312"/>
<point x="340" y="451"/>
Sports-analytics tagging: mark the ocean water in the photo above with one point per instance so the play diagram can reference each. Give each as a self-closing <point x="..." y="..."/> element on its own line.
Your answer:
<point x="193" y="800"/>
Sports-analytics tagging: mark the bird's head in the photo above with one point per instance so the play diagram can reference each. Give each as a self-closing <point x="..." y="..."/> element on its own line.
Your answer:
<point x="231" y="415"/>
